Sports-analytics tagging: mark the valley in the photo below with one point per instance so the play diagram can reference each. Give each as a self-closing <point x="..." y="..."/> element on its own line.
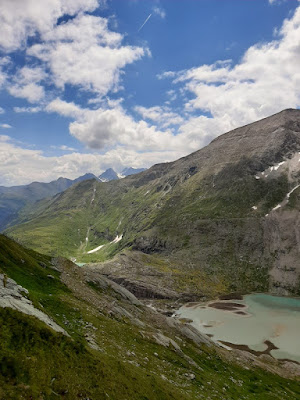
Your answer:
<point x="132" y="282"/>
<point x="225" y="217"/>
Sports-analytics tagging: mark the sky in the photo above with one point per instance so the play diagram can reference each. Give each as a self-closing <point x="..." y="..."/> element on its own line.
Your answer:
<point x="90" y="84"/>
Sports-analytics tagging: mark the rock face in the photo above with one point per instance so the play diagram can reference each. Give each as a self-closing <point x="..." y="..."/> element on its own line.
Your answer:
<point x="282" y="242"/>
<point x="13" y="296"/>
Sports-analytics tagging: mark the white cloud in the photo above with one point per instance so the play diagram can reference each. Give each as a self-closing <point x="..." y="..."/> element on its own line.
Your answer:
<point x="30" y="110"/>
<point x="31" y="92"/>
<point x="159" y="11"/>
<point x="162" y="116"/>
<point x="66" y="148"/>
<point x="20" y="19"/>
<point x="26" y="84"/>
<point x="107" y="127"/>
<point x="5" y="126"/>
<point x="2" y="111"/>
<point x="265" y="81"/>
<point x="83" y="52"/>
<point x="4" y="61"/>
<point x="22" y="166"/>
<point x="64" y="108"/>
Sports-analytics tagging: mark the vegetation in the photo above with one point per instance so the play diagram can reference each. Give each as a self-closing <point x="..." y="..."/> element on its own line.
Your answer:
<point x="123" y="362"/>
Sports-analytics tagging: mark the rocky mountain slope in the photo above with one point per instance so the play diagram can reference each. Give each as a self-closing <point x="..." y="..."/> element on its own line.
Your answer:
<point x="108" y="175"/>
<point x="14" y="198"/>
<point x="225" y="218"/>
<point x="111" y="175"/>
<point x="69" y="332"/>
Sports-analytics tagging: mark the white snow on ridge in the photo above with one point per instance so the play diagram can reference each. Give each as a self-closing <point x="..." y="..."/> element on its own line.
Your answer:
<point x="285" y="201"/>
<point x="291" y="165"/>
<point x="289" y="194"/>
<point x="276" y="208"/>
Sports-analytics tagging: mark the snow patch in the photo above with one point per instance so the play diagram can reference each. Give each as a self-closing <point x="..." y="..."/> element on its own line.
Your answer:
<point x="94" y="194"/>
<point x="289" y="194"/>
<point x="96" y="249"/>
<point x="276" y="208"/>
<point x="254" y="208"/>
<point x="117" y="239"/>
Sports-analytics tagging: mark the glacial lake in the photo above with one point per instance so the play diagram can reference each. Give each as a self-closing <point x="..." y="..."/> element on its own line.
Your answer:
<point x="259" y="323"/>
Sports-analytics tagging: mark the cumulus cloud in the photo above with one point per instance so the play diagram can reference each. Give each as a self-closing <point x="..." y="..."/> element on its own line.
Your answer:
<point x="26" y="84"/>
<point x="217" y="97"/>
<point x="104" y="128"/>
<point x="2" y="111"/>
<point x="83" y="52"/>
<point x="22" y="166"/>
<point x="20" y="19"/>
<point x="64" y="108"/>
<point x="265" y="81"/>
<point x="162" y="116"/>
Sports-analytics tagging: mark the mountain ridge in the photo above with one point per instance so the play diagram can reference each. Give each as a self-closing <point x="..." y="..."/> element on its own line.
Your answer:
<point x="213" y="208"/>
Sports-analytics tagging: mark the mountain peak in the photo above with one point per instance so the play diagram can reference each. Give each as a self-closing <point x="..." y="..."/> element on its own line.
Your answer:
<point x="132" y="171"/>
<point x="108" y="175"/>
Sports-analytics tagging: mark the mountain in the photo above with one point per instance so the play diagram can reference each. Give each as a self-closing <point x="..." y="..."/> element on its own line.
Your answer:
<point x="68" y="332"/>
<point x="111" y="175"/>
<point x="13" y="199"/>
<point x="223" y="219"/>
<point x="108" y="175"/>
<point x="131" y="171"/>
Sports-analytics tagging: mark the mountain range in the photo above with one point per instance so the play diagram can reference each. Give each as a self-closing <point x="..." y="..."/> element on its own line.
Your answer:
<point x="14" y="198"/>
<point x="111" y="175"/>
<point x="225" y="218"/>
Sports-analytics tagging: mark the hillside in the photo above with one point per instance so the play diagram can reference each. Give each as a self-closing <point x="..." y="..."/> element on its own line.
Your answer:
<point x="225" y="218"/>
<point x="70" y="333"/>
<point x="14" y="198"/>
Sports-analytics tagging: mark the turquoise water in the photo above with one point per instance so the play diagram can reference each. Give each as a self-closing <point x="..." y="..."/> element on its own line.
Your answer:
<point x="80" y="264"/>
<point x="272" y="318"/>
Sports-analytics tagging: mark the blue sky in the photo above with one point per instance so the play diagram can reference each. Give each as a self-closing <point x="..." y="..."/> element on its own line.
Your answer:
<point x="84" y="85"/>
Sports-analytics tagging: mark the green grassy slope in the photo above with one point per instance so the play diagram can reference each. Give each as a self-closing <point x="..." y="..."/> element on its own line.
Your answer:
<point x="37" y="363"/>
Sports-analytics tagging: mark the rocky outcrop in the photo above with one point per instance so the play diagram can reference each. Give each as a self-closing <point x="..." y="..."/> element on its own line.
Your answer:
<point x="282" y="244"/>
<point x="13" y="296"/>
<point x="144" y="290"/>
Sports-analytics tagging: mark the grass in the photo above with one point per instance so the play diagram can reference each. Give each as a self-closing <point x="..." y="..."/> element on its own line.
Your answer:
<point x="37" y="363"/>
<point x="206" y="221"/>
